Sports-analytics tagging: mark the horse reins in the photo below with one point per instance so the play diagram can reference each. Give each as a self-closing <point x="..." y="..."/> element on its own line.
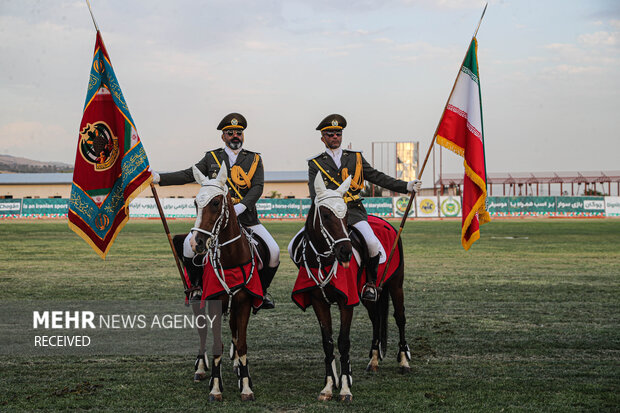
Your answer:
<point x="331" y="243"/>
<point x="214" y="246"/>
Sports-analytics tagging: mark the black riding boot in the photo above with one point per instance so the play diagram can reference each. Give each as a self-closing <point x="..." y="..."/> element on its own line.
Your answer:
<point x="370" y="288"/>
<point x="194" y="272"/>
<point x="266" y="276"/>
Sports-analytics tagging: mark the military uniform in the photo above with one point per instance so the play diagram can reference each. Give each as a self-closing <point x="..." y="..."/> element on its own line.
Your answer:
<point x="352" y="163"/>
<point x="245" y="182"/>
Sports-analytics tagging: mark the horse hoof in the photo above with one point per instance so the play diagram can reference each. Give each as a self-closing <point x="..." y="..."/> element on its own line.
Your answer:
<point x="198" y="377"/>
<point x="325" y="397"/>
<point x="404" y="370"/>
<point x="347" y="398"/>
<point x="247" y="397"/>
<point x="215" y="397"/>
<point x="373" y="368"/>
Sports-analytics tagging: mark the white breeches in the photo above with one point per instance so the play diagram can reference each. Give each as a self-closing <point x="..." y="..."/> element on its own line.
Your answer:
<point x="272" y="245"/>
<point x="373" y="243"/>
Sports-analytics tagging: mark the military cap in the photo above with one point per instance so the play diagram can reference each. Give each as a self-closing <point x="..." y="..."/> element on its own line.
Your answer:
<point x="233" y="121"/>
<point x="333" y="121"/>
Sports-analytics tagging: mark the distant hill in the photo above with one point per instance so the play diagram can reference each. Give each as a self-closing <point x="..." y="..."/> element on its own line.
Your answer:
<point x="10" y="163"/>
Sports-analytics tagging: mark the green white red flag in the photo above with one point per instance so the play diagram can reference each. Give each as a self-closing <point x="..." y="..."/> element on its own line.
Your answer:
<point x="111" y="166"/>
<point x="460" y="130"/>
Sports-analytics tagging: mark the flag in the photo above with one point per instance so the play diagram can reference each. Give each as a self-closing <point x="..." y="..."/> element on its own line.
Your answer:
<point x="111" y="166"/>
<point x="460" y="130"/>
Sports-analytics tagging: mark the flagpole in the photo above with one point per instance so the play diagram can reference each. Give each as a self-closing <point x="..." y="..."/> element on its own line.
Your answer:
<point x="174" y="251"/>
<point x="428" y="153"/>
<point x="92" y="15"/>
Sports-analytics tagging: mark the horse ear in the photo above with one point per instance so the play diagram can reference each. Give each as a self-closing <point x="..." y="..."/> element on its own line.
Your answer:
<point x="198" y="176"/>
<point x="344" y="187"/>
<point x="319" y="185"/>
<point x="222" y="176"/>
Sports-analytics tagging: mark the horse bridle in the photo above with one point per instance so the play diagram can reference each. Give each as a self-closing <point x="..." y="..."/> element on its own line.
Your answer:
<point x="220" y="222"/>
<point x="213" y="245"/>
<point x="331" y="242"/>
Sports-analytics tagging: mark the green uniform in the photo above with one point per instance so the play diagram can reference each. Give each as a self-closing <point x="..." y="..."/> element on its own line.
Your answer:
<point x="356" y="210"/>
<point x="248" y="195"/>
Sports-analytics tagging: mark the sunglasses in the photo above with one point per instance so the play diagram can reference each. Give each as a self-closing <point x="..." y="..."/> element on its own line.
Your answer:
<point x="331" y="134"/>
<point x="234" y="132"/>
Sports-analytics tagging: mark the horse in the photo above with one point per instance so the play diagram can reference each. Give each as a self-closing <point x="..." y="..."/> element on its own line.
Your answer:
<point x="322" y="256"/>
<point x="389" y="285"/>
<point x="230" y="277"/>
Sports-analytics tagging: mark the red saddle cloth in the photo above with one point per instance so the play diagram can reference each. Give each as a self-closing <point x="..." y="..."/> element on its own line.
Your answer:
<point x="344" y="282"/>
<point x="350" y="285"/>
<point x="386" y="234"/>
<point x="235" y="278"/>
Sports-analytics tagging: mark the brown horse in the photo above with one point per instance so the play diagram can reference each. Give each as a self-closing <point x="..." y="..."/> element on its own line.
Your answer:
<point x="390" y="286"/>
<point x="231" y="275"/>
<point x="324" y="249"/>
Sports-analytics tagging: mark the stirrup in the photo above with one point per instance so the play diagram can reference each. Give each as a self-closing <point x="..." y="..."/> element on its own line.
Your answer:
<point x="267" y="304"/>
<point x="194" y="294"/>
<point x="370" y="293"/>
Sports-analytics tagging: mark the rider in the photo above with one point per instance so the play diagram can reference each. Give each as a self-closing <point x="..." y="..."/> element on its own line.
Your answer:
<point x="245" y="183"/>
<point x="336" y="164"/>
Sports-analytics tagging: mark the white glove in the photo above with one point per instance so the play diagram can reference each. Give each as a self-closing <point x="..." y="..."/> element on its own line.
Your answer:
<point x="414" y="186"/>
<point x="155" y="175"/>
<point x="239" y="209"/>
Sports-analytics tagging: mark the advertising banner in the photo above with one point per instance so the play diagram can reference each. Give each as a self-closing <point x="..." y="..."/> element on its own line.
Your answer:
<point x="450" y="206"/>
<point x="45" y="208"/>
<point x="400" y="205"/>
<point x="612" y="206"/>
<point x="426" y="206"/>
<point x="380" y="207"/>
<point x="173" y="208"/>
<point x="532" y="206"/>
<point x="278" y="208"/>
<point x="305" y="207"/>
<point x="582" y="206"/>
<point x="10" y="208"/>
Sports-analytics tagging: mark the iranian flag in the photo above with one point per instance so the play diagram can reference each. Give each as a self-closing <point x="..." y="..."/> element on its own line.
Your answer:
<point x="460" y="130"/>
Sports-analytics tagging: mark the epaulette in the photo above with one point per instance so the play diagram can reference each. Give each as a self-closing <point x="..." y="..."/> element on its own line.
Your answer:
<point x="351" y="150"/>
<point x="252" y="152"/>
<point x="315" y="156"/>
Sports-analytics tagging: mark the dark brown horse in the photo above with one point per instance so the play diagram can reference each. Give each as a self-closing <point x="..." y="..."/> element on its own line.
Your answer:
<point x="390" y="286"/>
<point x="218" y="235"/>
<point x="324" y="246"/>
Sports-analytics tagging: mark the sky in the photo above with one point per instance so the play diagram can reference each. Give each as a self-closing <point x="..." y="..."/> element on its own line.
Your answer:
<point x="549" y="75"/>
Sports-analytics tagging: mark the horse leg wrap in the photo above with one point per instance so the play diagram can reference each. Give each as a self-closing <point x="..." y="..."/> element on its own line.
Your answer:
<point x="244" y="372"/>
<point x="330" y="371"/>
<point x="376" y="346"/>
<point x="203" y="357"/>
<point x="403" y="348"/>
<point x="216" y="374"/>
<point x="345" y="370"/>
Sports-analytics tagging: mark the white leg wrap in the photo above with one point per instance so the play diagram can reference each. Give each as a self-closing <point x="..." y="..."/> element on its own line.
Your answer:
<point x="187" y="248"/>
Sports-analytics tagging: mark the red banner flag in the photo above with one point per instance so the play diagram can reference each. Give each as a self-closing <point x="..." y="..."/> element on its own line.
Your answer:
<point x="460" y="130"/>
<point x="111" y="166"/>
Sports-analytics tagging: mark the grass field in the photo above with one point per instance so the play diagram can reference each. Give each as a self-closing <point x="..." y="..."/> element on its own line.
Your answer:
<point x="527" y="320"/>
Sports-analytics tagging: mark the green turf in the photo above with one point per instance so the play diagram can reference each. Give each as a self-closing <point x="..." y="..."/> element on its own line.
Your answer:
<point x="527" y="320"/>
